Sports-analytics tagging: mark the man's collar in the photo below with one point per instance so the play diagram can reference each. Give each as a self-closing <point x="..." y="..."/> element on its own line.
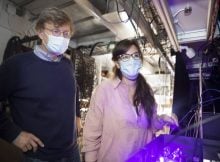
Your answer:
<point x="46" y="56"/>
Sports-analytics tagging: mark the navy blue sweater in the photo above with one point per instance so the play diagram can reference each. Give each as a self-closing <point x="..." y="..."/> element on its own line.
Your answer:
<point x="41" y="95"/>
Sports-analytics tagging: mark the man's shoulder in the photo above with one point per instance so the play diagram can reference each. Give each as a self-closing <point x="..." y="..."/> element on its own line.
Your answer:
<point x="20" y="57"/>
<point x="66" y="59"/>
<point x="16" y="62"/>
<point x="25" y="55"/>
<point x="17" y="59"/>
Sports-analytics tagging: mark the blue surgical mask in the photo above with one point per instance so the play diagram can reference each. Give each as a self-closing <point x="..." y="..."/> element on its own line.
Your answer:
<point x="57" y="45"/>
<point x="130" y="68"/>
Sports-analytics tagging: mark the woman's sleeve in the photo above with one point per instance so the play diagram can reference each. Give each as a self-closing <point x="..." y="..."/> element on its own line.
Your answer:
<point x="157" y="123"/>
<point x="92" y="131"/>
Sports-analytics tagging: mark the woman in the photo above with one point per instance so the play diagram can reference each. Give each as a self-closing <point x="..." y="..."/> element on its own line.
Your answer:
<point x="122" y="116"/>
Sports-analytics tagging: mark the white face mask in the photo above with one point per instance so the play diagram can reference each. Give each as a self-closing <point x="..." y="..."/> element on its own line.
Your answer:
<point x="57" y="45"/>
<point x="130" y="68"/>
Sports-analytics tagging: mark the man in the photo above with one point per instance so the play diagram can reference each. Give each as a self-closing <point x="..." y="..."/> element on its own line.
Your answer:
<point x="40" y="88"/>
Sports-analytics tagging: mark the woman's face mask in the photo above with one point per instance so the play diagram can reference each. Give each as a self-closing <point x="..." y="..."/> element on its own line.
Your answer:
<point x="57" y="45"/>
<point x="130" y="67"/>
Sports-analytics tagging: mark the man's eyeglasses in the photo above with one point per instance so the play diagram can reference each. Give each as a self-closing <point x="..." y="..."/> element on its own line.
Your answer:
<point x="126" y="57"/>
<point x="58" y="32"/>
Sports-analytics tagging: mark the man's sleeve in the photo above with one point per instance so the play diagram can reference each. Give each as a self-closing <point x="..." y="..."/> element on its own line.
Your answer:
<point x="8" y="130"/>
<point x="78" y="114"/>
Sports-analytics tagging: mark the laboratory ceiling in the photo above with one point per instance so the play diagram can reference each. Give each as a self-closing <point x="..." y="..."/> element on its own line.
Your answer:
<point x="159" y="25"/>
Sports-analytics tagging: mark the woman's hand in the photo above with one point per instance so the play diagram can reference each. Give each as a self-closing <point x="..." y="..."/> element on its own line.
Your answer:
<point x="169" y="120"/>
<point x="79" y="126"/>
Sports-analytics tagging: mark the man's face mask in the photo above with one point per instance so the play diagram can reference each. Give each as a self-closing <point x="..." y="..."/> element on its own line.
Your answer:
<point x="57" y="45"/>
<point x="130" y="67"/>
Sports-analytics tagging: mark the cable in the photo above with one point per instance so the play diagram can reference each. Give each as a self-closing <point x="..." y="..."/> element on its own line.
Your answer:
<point x="181" y="10"/>
<point x="107" y="6"/>
<point x="93" y="47"/>
<point x="195" y="106"/>
<point x="129" y="16"/>
<point x="121" y="21"/>
<point x="190" y="122"/>
<point x="136" y="31"/>
<point x="196" y="129"/>
<point x="216" y="90"/>
<point x="205" y="121"/>
<point x="138" y="20"/>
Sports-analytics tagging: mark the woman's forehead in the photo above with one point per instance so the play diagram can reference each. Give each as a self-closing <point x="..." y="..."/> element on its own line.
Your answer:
<point x="132" y="50"/>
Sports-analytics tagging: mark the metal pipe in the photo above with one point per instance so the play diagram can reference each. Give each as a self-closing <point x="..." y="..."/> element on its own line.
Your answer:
<point x="211" y="4"/>
<point x="165" y="18"/>
<point x="201" y="102"/>
<point x="171" y="26"/>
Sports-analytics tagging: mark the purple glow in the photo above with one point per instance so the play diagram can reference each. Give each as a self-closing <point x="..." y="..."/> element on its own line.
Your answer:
<point x="161" y="159"/>
<point x="168" y="148"/>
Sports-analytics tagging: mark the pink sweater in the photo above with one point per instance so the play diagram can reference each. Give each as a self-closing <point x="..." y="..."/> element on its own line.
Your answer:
<point x="113" y="132"/>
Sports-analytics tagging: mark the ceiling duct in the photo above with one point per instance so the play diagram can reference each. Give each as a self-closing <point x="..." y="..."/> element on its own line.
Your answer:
<point x="93" y="11"/>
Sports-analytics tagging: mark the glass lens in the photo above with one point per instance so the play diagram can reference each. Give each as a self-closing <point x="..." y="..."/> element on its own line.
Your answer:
<point x="126" y="57"/>
<point x="56" y="32"/>
<point x="136" y="55"/>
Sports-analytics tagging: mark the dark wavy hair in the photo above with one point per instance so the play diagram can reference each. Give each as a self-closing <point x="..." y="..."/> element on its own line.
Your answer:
<point x="143" y="94"/>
